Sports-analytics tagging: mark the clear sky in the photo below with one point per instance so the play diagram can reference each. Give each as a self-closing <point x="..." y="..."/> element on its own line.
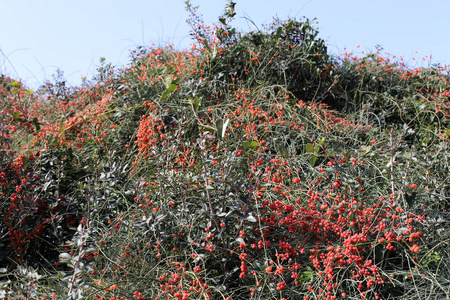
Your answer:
<point x="37" y="37"/>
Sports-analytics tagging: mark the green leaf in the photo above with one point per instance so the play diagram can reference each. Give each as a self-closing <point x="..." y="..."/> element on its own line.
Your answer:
<point x="306" y="276"/>
<point x="309" y="148"/>
<point x="278" y="32"/>
<point x="316" y="149"/>
<point x="447" y="132"/>
<point x="172" y="87"/>
<point x="250" y="145"/>
<point x="168" y="80"/>
<point x="26" y="162"/>
<point x="321" y="141"/>
<point x="313" y="150"/>
<point x="365" y="150"/>
<point x="196" y="103"/>
<point x="15" y="115"/>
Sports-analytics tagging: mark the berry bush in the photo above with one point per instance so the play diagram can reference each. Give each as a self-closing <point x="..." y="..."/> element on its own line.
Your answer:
<point x="251" y="166"/>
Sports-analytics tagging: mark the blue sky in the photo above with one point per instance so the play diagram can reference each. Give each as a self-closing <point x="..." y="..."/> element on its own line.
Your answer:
<point x="37" y="37"/>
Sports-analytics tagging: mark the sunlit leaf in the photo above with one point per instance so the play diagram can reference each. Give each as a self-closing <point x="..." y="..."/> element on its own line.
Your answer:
<point x="250" y="145"/>
<point x="196" y="103"/>
<point x="172" y="87"/>
<point x="15" y="115"/>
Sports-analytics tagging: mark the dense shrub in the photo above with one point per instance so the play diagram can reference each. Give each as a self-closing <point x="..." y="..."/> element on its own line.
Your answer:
<point x="251" y="166"/>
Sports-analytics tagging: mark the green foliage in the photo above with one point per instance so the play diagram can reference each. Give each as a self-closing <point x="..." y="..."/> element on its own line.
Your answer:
<point x="252" y="166"/>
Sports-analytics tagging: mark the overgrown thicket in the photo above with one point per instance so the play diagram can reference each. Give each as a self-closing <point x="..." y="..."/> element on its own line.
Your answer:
<point x="252" y="166"/>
